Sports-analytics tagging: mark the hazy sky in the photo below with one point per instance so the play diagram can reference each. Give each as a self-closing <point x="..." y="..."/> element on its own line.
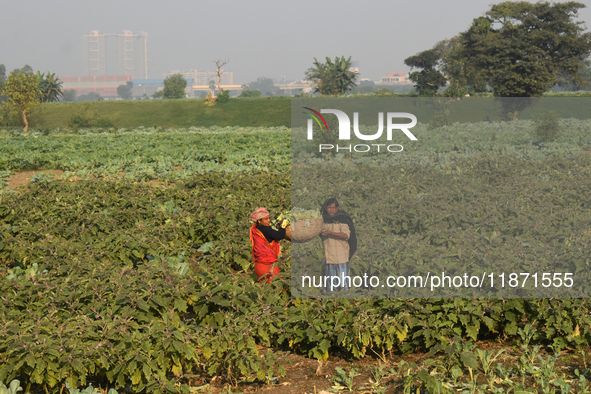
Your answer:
<point x="261" y="38"/>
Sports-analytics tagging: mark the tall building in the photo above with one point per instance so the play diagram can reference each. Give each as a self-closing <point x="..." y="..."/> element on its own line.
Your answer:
<point x="95" y="57"/>
<point x="116" y="54"/>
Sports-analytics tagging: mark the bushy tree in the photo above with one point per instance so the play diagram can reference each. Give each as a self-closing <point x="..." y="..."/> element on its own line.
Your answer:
<point x="92" y="96"/>
<point x="2" y="80"/>
<point x="125" y="91"/>
<point x="68" y="95"/>
<point x="332" y="77"/>
<point x="428" y="80"/>
<point x="22" y="94"/>
<point x="25" y="70"/>
<point x="50" y="86"/>
<point x="519" y="48"/>
<point x="174" y="87"/>
<point x="568" y="83"/>
<point x="2" y="74"/>
<point x="250" y="93"/>
<point x="365" y="87"/>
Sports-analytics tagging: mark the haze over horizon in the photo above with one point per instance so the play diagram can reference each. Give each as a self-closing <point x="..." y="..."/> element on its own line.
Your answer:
<point x="261" y="38"/>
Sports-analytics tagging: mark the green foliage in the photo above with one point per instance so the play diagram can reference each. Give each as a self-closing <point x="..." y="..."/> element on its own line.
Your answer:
<point x="170" y="113"/>
<point x="148" y="153"/>
<point x="440" y="119"/>
<point x="365" y="87"/>
<point x="2" y="74"/>
<point x="91" y="390"/>
<point x="143" y="287"/>
<point x="174" y="87"/>
<point x="429" y="79"/>
<point x="333" y="77"/>
<point x="13" y="388"/>
<point x="92" y="96"/>
<point x="518" y="40"/>
<point x="568" y="83"/>
<point x="125" y="91"/>
<point x="50" y="86"/>
<point x="384" y="92"/>
<point x="42" y="178"/>
<point x="83" y="121"/>
<point x="223" y="97"/>
<point x="343" y="380"/>
<point x="22" y="93"/>
<point x="250" y="93"/>
<point x="106" y="305"/>
<point x="547" y="128"/>
<point x="68" y="95"/>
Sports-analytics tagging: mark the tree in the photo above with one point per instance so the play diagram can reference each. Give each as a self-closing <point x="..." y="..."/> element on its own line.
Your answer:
<point x="219" y="64"/>
<point x="428" y="80"/>
<point x="22" y="93"/>
<point x="125" y="91"/>
<point x="2" y="74"/>
<point x="174" y="87"/>
<point x="332" y="78"/>
<point x="25" y="70"/>
<point x="50" y="86"/>
<point x="568" y="83"/>
<point x="265" y="86"/>
<point x="2" y="80"/>
<point x="68" y="95"/>
<point x="462" y="74"/>
<point x="365" y="87"/>
<point x="520" y="48"/>
<point x="91" y="96"/>
<point x="249" y="92"/>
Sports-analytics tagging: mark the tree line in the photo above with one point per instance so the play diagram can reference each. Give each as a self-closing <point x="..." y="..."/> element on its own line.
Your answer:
<point x="517" y="49"/>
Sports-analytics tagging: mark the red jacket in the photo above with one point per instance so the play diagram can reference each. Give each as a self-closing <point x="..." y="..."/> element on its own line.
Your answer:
<point x="263" y="252"/>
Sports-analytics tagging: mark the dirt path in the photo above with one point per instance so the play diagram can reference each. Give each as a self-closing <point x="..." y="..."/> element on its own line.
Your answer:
<point x="23" y="178"/>
<point x="20" y="179"/>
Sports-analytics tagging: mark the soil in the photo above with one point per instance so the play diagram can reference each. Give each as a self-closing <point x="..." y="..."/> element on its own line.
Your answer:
<point x="303" y="376"/>
<point x="23" y="178"/>
<point x="309" y="376"/>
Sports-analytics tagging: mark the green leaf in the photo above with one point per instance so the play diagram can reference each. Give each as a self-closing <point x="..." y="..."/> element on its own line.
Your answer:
<point x="136" y="377"/>
<point x="180" y="305"/>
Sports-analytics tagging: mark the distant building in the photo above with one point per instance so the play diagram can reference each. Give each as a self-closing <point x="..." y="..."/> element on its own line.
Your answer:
<point x="296" y="87"/>
<point x="116" y="54"/>
<point x="394" y="78"/>
<point x="203" y="77"/>
<point x="103" y="85"/>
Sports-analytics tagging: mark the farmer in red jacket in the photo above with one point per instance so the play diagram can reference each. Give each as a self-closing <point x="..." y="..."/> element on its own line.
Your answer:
<point x="265" y="245"/>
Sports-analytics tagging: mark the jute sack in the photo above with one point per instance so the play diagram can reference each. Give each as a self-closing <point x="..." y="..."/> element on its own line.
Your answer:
<point x="305" y="230"/>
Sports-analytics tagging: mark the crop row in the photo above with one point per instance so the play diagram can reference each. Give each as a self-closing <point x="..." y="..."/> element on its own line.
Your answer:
<point x="490" y="214"/>
<point x="153" y="290"/>
<point x="148" y="154"/>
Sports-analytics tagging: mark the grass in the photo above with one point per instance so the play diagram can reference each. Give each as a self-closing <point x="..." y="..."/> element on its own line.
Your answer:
<point x="245" y="112"/>
<point x="264" y="112"/>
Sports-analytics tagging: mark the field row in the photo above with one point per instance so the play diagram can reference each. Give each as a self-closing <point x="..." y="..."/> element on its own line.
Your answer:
<point x="146" y="154"/>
